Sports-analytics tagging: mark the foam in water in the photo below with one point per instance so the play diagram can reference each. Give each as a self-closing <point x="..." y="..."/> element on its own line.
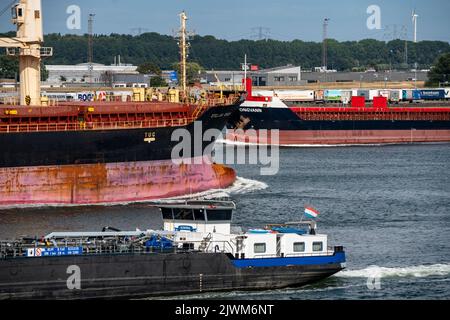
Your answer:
<point x="242" y="143"/>
<point x="240" y="186"/>
<point x="413" y="271"/>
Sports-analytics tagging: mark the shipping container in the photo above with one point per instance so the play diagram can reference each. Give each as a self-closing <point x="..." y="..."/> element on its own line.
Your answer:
<point x="288" y="95"/>
<point x="395" y="95"/>
<point x="407" y="95"/>
<point x="358" y="101"/>
<point x="333" y="95"/>
<point x="380" y="102"/>
<point x="296" y="95"/>
<point x="318" y="95"/>
<point x="372" y="94"/>
<point x="85" y="96"/>
<point x="432" y="94"/>
<point x="363" y="93"/>
<point x="384" y="93"/>
<point x="346" y="96"/>
<point x="416" y="95"/>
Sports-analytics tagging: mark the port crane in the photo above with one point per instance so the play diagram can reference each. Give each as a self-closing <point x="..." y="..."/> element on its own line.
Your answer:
<point x="27" y="45"/>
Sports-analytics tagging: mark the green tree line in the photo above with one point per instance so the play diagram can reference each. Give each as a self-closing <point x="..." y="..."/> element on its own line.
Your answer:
<point x="212" y="53"/>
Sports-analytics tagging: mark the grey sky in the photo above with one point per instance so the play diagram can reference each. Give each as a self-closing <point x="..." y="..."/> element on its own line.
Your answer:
<point x="234" y="19"/>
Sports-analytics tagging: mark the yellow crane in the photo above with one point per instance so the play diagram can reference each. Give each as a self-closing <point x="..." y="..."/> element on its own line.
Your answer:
<point x="27" y="45"/>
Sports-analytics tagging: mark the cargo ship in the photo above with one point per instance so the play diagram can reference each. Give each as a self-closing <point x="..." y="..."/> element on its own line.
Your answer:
<point x="196" y="252"/>
<point x="363" y="120"/>
<point x="100" y="152"/>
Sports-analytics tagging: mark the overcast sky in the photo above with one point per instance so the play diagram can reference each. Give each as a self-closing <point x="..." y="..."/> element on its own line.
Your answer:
<point x="237" y="19"/>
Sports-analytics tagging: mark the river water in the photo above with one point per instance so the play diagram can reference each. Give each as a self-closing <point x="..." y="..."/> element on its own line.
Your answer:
<point x="389" y="206"/>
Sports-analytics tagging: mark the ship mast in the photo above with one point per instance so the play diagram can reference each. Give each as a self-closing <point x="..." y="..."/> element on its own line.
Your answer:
<point x="27" y="16"/>
<point x="183" y="52"/>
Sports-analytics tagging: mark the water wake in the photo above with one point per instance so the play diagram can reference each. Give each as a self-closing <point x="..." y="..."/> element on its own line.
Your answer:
<point x="241" y="143"/>
<point x="240" y="186"/>
<point x="413" y="271"/>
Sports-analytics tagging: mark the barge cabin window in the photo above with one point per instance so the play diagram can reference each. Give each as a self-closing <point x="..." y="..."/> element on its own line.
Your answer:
<point x="196" y="214"/>
<point x="317" y="246"/>
<point x="259" y="248"/>
<point x="299" y="247"/>
<point x="167" y="213"/>
<point x="183" y="214"/>
<point x="219" y="215"/>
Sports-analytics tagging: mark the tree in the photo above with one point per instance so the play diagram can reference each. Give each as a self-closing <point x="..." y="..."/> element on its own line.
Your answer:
<point x="157" y="81"/>
<point x="9" y="67"/>
<point x="149" y="67"/>
<point x="440" y="71"/>
<point x="218" y="54"/>
<point x="193" y="70"/>
<point x="44" y="72"/>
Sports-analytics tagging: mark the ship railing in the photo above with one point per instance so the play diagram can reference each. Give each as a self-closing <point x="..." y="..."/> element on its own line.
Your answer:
<point x="86" y="126"/>
<point x="108" y="246"/>
<point x="220" y="246"/>
<point x="213" y="102"/>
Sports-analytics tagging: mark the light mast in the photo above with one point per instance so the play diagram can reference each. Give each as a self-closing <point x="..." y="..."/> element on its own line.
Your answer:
<point x="183" y="52"/>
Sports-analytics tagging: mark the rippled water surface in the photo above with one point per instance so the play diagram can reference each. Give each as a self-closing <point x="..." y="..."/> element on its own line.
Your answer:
<point x="389" y="206"/>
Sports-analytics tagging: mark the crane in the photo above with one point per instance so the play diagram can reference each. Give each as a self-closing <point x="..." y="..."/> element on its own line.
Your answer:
<point x="27" y="45"/>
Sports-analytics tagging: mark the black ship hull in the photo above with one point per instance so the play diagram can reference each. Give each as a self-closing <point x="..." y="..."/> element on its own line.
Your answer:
<point x="146" y="275"/>
<point x="110" y="166"/>
<point x="26" y="149"/>
<point x="336" y="127"/>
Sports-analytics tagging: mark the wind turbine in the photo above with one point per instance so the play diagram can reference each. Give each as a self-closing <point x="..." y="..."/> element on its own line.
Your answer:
<point x="414" y="16"/>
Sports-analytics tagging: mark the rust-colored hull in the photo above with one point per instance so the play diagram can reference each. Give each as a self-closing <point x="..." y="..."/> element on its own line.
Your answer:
<point x="345" y="137"/>
<point x="108" y="183"/>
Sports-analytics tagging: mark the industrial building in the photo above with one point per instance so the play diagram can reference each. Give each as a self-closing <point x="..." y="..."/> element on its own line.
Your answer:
<point x="81" y="73"/>
<point x="294" y="76"/>
<point x="368" y="76"/>
<point x="280" y="76"/>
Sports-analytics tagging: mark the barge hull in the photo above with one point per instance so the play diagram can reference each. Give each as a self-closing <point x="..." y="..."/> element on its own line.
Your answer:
<point x="145" y="275"/>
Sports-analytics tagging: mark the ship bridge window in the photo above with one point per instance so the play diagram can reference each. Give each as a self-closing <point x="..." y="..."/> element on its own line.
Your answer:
<point x="299" y="247"/>
<point x="259" y="247"/>
<point x="317" y="246"/>
<point x="183" y="214"/>
<point x="199" y="214"/>
<point x="167" y="213"/>
<point x="219" y="215"/>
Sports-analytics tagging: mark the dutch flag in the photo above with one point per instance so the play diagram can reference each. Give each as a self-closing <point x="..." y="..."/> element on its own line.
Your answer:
<point x="311" y="213"/>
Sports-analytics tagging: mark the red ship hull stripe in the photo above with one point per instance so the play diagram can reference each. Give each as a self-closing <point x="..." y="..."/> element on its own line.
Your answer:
<point x="109" y="183"/>
<point x="321" y="137"/>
